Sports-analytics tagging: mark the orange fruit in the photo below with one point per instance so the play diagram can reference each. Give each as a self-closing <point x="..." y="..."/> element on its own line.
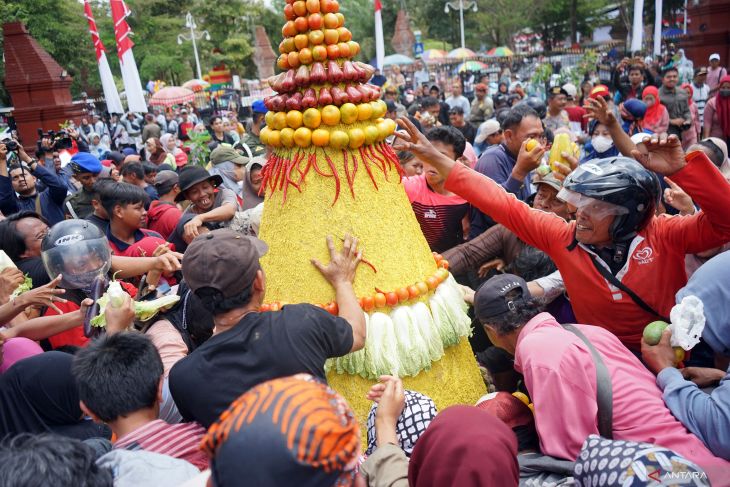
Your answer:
<point x="348" y="113"/>
<point x="368" y="303"/>
<point x="379" y="108"/>
<point x="331" y="21"/>
<point x="339" y="139"/>
<point x="279" y="120"/>
<point x="269" y="118"/>
<point x="385" y="129"/>
<point x="303" y="137"/>
<point x="287" y="137"/>
<point x="274" y="138"/>
<point x="321" y="137"/>
<point x="422" y="287"/>
<point x="380" y="300"/>
<point x="300" y="41"/>
<point x="330" y="115"/>
<point x="294" y="119"/>
<point x="403" y="294"/>
<point x="531" y="144"/>
<point x="371" y="134"/>
<point x="264" y="135"/>
<point x="357" y="137"/>
<point x="364" y="111"/>
<point x="312" y="118"/>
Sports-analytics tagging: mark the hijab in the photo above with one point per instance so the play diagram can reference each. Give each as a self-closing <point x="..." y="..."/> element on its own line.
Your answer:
<point x="653" y="113"/>
<point x="466" y="447"/>
<point x="711" y="284"/>
<point x="418" y="413"/>
<point x="226" y="170"/>
<point x="39" y="395"/>
<point x="159" y="155"/>
<point x="251" y="197"/>
<point x="722" y="107"/>
<point x="163" y="142"/>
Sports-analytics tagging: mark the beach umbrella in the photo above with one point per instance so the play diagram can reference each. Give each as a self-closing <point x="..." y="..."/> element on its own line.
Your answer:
<point x="396" y="59"/>
<point x="471" y="66"/>
<point x="502" y="51"/>
<point x="433" y="55"/>
<point x="196" y="85"/>
<point x="461" y="53"/>
<point x="172" y="95"/>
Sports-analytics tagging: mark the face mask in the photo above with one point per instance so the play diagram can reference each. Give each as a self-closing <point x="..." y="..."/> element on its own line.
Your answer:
<point x="725" y="93"/>
<point x="601" y="144"/>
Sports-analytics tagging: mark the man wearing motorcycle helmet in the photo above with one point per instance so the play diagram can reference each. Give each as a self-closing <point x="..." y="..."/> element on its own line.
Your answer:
<point x="615" y="238"/>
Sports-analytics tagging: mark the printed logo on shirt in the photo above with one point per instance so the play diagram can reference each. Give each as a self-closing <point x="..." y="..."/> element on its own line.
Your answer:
<point x="644" y="256"/>
<point x="431" y="214"/>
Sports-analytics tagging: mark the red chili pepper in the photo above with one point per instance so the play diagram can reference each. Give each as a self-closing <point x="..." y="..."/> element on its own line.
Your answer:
<point x="306" y="168"/>
<point x="369" y="264"/>
<point x="336" y="176"/>
<point x="319" y="171"/>
<point x="275" y="173"/>
<point x="367" y="168"/>
<point x="347" y="173"/>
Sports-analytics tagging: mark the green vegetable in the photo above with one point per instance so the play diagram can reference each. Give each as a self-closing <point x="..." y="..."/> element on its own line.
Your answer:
<point x="26" y="286"/>
<point x="653" y="332"/>
<point x="143" y="310"/>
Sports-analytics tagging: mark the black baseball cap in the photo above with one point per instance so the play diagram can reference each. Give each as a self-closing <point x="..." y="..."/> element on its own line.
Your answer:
<point x="223" y="260"/>
<point x="490" y="301"/>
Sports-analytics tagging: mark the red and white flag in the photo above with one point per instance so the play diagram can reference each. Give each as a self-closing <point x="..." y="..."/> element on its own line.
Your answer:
<point x="379" y="44"/>
<point x="130" y="75"/>
<point x="113" y="103"/>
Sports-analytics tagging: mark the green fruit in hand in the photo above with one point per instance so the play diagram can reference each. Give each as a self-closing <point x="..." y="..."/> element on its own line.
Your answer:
<point x="543" y="170"/>
<point x="653" y="332"/>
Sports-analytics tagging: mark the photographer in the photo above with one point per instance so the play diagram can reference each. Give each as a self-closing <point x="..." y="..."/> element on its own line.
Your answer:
<point x="18" y="186"/>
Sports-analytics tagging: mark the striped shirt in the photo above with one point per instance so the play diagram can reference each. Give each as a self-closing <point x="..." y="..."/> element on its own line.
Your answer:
<point x="438" y="215"/>
<point x="175" y="440"/>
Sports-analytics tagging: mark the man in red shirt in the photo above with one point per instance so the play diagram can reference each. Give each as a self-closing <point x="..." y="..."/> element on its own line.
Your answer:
<point x="438" y="211"/>
<point x="642" y="252"/>
<point x="164" y="214"/>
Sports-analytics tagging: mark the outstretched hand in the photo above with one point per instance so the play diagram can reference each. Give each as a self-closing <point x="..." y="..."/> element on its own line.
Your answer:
<point x="665" y="155"/>
<point x="675" y="197"/>
<point x="412" y="140"/>
<point x="343" y="264"/>
<point x="598" y="109"/>
<point x="45" y="295"/>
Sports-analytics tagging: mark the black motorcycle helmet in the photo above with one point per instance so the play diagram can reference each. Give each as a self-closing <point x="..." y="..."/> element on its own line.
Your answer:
<point x="78" y="250"/>
<point x="536" y="104"/>
<point x="621" y="181"/>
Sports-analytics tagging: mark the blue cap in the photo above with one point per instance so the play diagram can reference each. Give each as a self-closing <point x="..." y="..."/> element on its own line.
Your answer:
<point x="84" y="162"/>
<point x="636" y="108"/>
<point x="128" y="151"/>
<point x="259" y="107"/>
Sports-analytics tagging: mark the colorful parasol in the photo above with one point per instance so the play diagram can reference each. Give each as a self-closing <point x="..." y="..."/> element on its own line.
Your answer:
<point x="433" y="55"/>
<point x="461" y="53"/>
<point x="471" y="66"/>
<point x="172" y="95"/>
<point x="501" y="51"/>
<point x="196" y="85"/>
<point x="396" y="59"/>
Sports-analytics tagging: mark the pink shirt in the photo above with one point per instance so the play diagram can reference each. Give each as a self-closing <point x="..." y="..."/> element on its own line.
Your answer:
<point x="561" y="377"/>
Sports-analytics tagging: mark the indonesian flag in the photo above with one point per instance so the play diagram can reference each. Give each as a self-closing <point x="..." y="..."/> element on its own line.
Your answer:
<point x="113" y="103"/>
<point x="130" y="75"/>
<point x="658" y="27"/>
<point x="379" y="45"/>
<point x="637" y="31"/>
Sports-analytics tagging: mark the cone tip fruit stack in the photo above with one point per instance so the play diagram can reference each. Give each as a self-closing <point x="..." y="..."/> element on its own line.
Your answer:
<point x="318" y="73"/>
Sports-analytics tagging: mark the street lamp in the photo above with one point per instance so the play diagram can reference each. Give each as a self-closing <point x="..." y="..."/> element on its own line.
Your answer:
<point x="461" y="5"/>
<point x="193" y="36"/>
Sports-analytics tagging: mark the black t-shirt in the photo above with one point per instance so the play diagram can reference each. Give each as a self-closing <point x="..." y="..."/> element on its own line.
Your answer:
<point x="261" y="347"/>
<point x="33" y="266"/>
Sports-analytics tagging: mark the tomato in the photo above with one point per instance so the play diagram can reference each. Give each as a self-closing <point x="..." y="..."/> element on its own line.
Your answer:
<point x="264" y="308"/>
<point x="432" y="282"/>
<point x="380" y="300"/>
<point x="368" y="303"/>
<point x="403" y="294"/>
<point x="422" y="287"/>
<point x="332" y="308"/>
<point x="413" y="291"/>
<point x="437" y="257"/>
<point x="391" y="298"/>
<point x="444" y="264"/>
<point x="441" y="274"/>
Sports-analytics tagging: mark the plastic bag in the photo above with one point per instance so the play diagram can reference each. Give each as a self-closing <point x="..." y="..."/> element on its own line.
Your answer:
<point x="688" y="321"/>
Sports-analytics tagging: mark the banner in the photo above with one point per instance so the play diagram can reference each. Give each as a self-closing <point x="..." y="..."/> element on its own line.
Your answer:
<point x="130" y="75"/>
<point x="111" y="96"/>
<point x="379" y="43"/>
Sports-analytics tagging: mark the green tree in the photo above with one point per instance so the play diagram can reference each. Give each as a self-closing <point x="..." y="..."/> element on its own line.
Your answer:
<point x="560" y="19"/>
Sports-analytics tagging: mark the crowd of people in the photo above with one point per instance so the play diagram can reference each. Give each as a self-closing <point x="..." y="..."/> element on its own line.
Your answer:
<point x="564" y="259"/>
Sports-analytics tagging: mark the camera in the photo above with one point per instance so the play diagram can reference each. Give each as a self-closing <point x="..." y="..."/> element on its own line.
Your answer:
<point x="59" y="140"/>
<point x="11" y="145"/>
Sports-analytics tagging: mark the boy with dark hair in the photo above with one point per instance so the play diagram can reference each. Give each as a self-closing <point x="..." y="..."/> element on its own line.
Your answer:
<point x="439" y="212"/>
<point x="125" y="205"/>
<point x="150" y="171"/>
<point x="99" y="216"/>
<point x="120" y="382"/>
<point x="133" y="173"/>
<point x="164" y="214"/>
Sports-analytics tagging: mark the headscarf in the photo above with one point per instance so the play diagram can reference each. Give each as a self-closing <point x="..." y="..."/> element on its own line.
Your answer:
<point x="289" y="431"/>
<point x="159" y="155"/>
<point x="417" y="415"/>
<point x="653" y="113"/>
<point x="711" y="284"/>
<point x="164" y="139"/>
<point x="608" y="462"/>
<point x="39" y="395"/>
<point x="226" y="170"/>
<point x="722" y="108"/>
<point x="251" y="197"/>
<point x="466" y="447"/>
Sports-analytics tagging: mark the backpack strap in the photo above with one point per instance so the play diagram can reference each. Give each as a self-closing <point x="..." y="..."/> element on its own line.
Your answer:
<point x="604" y="395"/>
